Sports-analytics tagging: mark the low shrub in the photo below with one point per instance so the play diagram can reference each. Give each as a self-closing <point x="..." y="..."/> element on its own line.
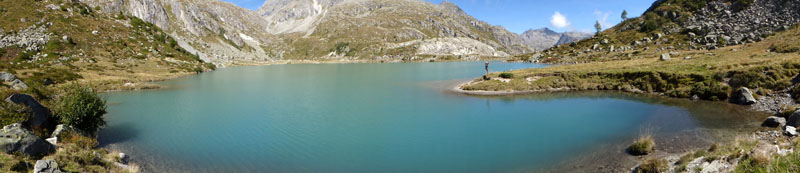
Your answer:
<point x="653" y="165"/>
<point x="81" y="107"/>
<point x="642" y="146"/>
<point x="507" y="75"/>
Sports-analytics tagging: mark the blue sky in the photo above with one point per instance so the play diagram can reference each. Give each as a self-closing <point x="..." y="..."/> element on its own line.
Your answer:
<point x="520" y="15"/>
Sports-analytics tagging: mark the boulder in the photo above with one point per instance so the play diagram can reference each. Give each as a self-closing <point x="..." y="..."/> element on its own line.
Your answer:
<point x="790" y="131"/>
<point x="123" y="158"/>
<point x="743" y="96"/>
<point x="604" y="41"/>
<point x="18" y="85"/>
<point x="61" y="128"/>
<point x="40" y="113"/>
<point x="14" y="138"/>
<point x="665" y="57"/>
<point x="774" y="121"/>
<point x="7" y="77"/>
<point x="793" y="119"/>
<point x="46" y="166"/>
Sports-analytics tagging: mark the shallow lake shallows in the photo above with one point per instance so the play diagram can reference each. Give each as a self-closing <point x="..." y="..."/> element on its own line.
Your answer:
<point x="397" y="117"/>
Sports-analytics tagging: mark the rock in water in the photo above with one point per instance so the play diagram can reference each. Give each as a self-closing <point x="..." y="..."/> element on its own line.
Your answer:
<point x="665" y="57"/>
<point x="40" y="113"/>
<point x="774" y="121"/>
<point x="46" y="166"/>
<point x="743" y="96"/>
<point x="123" y="158"/>
<point x="791" y="131"/>
<point x="14" y="138"/>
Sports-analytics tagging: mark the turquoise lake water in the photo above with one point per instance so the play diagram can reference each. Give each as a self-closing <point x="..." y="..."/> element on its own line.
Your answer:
<point x="395" y="117"/>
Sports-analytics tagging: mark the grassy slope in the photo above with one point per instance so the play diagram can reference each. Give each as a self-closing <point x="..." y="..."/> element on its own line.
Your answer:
<point x="768" y="65"/>
<point x="117" y="54"/>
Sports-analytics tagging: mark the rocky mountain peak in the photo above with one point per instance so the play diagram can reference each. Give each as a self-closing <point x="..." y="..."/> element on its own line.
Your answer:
<point x="543" y="38"/>
<point x="451" y="6"/>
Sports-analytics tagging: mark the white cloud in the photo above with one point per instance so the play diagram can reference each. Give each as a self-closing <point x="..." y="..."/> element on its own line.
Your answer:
<point x="559" y="21"/>
<point x="602" y="17"/>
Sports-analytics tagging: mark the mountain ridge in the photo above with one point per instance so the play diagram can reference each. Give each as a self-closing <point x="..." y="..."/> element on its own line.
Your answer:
<point x="544" y="38"/>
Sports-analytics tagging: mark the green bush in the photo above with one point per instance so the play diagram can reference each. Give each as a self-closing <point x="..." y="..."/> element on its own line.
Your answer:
<point x="507" y="75"/>
<point x="642" y="146"/>
<point x="652" y="22"/>
<point x="82" y="108"/>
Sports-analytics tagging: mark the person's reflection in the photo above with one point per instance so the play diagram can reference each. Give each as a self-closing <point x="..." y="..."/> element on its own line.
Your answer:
<point x="488" y="104"/>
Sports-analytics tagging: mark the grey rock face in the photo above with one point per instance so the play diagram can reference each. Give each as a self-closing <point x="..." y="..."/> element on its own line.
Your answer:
<point x="15" y="138"/>
<point x="46" y="166"/>
<point x="774" y="121"/>
<point x="40" y="114"/>
<point x="743" y="96"/>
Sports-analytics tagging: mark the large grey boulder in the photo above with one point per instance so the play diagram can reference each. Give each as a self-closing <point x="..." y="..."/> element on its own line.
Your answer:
<point x="46" y="166"/>
<point x="40" y="113"/>
<point x="14" y="138"/>
<point x="774" y="121"/>
<point x="743" y="96"/>
<point x="7" y="77"/>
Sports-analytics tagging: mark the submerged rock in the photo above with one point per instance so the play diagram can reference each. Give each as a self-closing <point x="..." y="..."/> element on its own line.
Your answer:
<point x="14" y="138"/>
<point x="46" y="166"/>
<point x="744" y="96"/>
<point x="774" y="121"/>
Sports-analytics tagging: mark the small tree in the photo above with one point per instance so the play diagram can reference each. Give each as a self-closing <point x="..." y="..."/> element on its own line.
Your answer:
<point x="624" y="15"/>
<point x="81" y="107"/>
<point x="598" y="27"/>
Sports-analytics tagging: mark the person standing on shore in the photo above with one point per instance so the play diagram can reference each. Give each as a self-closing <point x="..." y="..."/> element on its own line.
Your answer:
<point x="487" y="67"/>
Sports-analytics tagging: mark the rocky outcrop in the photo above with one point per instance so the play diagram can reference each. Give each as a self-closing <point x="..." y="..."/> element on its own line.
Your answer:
<point x="39" y="113"/>
<point x="46" y="166"/>
<point x="721" y="23"/>
<point x="13" y="81"/>
<point x="14" y="138"/>
<point x="29" y="39"/>
<point x="743" y="96"/>
<point x="456" y="46"/>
